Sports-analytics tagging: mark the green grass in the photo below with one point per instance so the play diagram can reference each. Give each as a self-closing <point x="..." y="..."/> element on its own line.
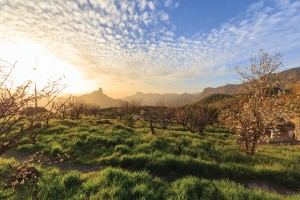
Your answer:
<point x="186" y="165"/>
<point x="117" y="183"/>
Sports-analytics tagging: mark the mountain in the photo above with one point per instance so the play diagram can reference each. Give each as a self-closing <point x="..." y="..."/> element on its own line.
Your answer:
<point x="154" y="98"/>
<point x="219" y="101"/>
<point x="229" y="89"/>
<point x="215" y="98"/>
<point x="291" y="76"/>
<point x="99" y="98"/>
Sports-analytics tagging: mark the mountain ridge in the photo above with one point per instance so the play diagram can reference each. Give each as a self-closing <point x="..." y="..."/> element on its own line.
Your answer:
<point x="292" y="76"/>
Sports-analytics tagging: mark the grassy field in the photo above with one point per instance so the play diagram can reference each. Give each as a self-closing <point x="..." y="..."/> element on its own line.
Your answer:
<point x="170" y="165"/>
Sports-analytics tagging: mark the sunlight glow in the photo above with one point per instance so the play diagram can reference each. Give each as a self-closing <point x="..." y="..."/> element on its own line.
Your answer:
<point x="29" y="55"/>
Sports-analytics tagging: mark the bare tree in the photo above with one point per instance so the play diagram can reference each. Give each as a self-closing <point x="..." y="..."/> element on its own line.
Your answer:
<point x="164" y="113"/>
<point x="20" y="122"/>
<point x="62" y="107"/>
<point x="126" y="110"/>
<point x="77" y="108"/>
<point x="195" y="118"/>
<point x="93" y="109"/>
<point x="266" y="103"/>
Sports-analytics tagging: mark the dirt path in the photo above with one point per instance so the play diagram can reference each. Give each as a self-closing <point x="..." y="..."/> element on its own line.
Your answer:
<point x="269" y="187"/>
<point x="64" y="166"/>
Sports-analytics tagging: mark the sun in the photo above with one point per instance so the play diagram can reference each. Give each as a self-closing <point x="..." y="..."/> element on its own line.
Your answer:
<point x="35" y="63"/>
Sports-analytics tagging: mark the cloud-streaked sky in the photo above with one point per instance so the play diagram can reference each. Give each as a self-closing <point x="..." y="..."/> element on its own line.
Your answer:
<point x="152" y="46"/>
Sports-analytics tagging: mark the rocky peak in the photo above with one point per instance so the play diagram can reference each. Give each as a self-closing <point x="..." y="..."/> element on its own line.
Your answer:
<point x="100" y="90"/>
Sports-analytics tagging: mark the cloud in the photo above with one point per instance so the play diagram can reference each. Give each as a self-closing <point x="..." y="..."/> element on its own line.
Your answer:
<point x="255" y="6"/>
<point x="164" y="17"/>
<point x="168" y="3"/>
<point x="128" y="40"/>
<point x="142" y="5"/>
<point x="151" y="5"/>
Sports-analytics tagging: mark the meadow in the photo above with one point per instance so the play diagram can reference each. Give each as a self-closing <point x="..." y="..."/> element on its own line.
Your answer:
<point x="118" y="162"/>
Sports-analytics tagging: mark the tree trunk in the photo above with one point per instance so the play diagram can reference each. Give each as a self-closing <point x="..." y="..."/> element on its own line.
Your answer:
<point x="254" y="142"/>
<point x="246" y="147"/>
<point x="151" y="126"/>
<point x="253" y="148"/>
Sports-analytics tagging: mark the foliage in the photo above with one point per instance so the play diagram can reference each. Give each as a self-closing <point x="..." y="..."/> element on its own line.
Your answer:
<point x="266" y="104"/>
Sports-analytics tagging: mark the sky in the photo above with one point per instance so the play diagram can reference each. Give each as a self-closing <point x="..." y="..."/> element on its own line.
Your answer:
<point x="156" y="46"/>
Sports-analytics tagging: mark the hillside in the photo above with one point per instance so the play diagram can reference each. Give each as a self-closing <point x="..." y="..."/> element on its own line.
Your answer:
<point x="215" y="98"/>
<point x="291" y="76"/>
<point x="153" y="98"/>
<point x="99" y="98"/>
<point x="229" y="89"/>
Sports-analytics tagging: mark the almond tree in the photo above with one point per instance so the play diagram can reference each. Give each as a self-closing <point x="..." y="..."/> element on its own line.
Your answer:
<point x="20" y="119"/>
<point x="164" y="113"/>
<point x="126" y="110"/>
<point x="266" y="103"/>
<point x="77" y="108"/>
<point x="195" y="117"/>
<point x="94" y="110"/>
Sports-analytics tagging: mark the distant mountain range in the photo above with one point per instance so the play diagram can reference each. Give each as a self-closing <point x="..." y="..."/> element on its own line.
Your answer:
<point x="99" y="98"/>
<point x="154" y="98"/>
<point x="291" y="76"/>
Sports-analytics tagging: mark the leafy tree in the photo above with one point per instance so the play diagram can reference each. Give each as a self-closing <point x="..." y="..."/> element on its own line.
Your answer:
<point x="266" y="103"/>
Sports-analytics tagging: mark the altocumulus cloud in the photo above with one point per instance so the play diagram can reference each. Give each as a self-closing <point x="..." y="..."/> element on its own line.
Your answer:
<point x="136" y="39"/>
